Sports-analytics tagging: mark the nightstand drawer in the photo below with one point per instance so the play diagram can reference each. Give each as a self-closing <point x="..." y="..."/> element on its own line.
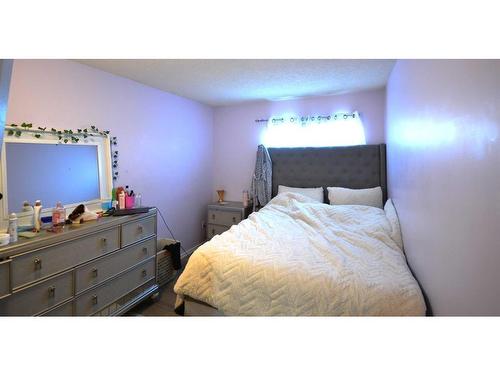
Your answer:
<point x="138" y="230"/>
<point x="213" y="230"/>
<point x="36" y="298"/>
<point x="47" y="261"/>
<point x="4" y="278"/>
<point x="94" y="300"/>
<point x="226" y="218"/>
<point x="96" y="272"/>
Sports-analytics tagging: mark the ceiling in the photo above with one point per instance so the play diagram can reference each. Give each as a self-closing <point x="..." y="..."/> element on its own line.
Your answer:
<point x="226" y="82"/>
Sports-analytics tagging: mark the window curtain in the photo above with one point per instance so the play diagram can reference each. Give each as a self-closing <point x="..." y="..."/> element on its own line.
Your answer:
<point x="262" y="178"/>
<point x="320" y="131"/>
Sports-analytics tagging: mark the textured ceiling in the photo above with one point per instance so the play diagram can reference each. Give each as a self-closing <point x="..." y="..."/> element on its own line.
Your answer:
<point x="225" y="82"/>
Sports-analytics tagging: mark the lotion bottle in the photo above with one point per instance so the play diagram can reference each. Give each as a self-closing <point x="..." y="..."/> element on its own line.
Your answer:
<point x="37" y="215"/>
<point x="13" y="227"/>
<point x="121" y="200"/>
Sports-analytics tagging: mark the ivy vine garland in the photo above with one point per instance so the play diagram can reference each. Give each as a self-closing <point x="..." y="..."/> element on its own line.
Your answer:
<point x="64" y="135"/>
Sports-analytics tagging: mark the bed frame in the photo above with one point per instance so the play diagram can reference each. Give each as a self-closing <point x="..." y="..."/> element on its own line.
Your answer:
<point x="355" y="167"/>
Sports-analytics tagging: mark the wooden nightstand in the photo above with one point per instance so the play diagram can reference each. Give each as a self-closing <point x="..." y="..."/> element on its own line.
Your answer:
<point x="222" y="216"/>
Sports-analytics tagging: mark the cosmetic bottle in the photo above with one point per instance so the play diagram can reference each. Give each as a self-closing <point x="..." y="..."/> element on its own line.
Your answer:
<point x="37" y="215"/>
<point x="58" y="215"/>
<point x="121" y="200"/>
<point x="27" y="221"/>
<point x="138" y="200"/>
<point x="13" y="227"/>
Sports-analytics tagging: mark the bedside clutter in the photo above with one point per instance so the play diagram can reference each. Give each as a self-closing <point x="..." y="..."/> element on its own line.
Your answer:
<point x="222" y="216"/>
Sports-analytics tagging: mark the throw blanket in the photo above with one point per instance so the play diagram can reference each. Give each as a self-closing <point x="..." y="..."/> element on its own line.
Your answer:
<point x="262" y="178"/>
<point x="299" y="257"/>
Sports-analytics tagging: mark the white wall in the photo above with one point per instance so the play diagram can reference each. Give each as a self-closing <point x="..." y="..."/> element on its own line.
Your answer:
<point x="236" y="135"/>
<point x="443" y="151"/>
<point x="164" y="141"/>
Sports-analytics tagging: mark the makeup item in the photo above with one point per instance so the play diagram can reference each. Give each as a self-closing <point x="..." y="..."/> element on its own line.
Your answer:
<point x="26" y="220"/>
<point x="129" y="201"/>
<point x="127" y="191"/>
<point x="119" y="189"/>
<point x="13" y="227"/>
<point x="58" y="215"/>
<point x="37" y="215"/>
<point x="121" y="200"/>
<point x="138" y="200"/>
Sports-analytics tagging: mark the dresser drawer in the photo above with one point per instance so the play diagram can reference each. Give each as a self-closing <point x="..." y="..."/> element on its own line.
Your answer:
<point x="34" y="299"/>
<point x="4" y="278"/>
<point x="92" y="301"/>
<point x="35" y="265"/>
<point x="213" y="230"/>
<point x="96" y="272"/>
<point x="138" y="230"/>
<point x="226" y="218"/>
<point x="65" y="309"/>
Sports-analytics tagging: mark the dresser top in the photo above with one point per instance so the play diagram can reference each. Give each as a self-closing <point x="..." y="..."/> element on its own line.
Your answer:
<point x="227" y="204"/>
<point x="45" y="238"/>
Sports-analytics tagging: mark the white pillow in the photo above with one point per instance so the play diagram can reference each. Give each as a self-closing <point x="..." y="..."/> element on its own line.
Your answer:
<point x="364" y="197"/>
<point x="313" y="193"/>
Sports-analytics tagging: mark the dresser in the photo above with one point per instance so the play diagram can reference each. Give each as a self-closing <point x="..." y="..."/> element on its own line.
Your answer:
<point x="222" y="216"/>
<point x="104" y="267"/>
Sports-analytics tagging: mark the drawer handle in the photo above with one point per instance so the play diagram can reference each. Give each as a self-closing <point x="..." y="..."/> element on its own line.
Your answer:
<point x="234" y="219"/>
<point x="104" y="241"/>
<point x="144" y="273"/>
<point x="140" y="229"/>
<point x="52" y="292"/>
<point x="94" y="272"/>
<point x="94" y="300"/>
<point x="38" y="264"/>
<point x="145" y="250"/>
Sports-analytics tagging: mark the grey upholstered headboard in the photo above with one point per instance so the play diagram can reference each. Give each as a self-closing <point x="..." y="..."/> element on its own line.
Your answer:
<point x="355" y="167"/>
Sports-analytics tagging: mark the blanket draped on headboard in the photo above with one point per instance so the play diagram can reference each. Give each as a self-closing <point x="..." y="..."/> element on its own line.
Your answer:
<point x="262" y="178"/>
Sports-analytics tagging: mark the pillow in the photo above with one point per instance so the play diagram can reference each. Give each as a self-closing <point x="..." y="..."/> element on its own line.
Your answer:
<point x="364" y="197"/>
<point x="313" y="193"/>
<point x="392" y="216"/>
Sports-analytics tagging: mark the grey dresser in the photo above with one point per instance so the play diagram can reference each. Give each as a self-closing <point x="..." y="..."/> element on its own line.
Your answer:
<point x="222" y="216"/>
<point x="103" y="267"/>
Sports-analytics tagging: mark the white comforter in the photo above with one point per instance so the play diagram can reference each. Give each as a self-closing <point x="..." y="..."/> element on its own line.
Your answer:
<point x="298" y="257"/>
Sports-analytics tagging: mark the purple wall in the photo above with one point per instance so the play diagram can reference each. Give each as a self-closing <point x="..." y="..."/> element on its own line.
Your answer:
<point x="443" y="127"/>
<point x="165" y="141"/>
<point x="236" y="135"/>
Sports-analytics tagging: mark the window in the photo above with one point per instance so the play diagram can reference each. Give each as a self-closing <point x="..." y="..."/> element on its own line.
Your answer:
<point x="341" y="129"/>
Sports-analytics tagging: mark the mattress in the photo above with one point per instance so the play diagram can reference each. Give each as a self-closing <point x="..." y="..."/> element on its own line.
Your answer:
<point x="297" y="257"/>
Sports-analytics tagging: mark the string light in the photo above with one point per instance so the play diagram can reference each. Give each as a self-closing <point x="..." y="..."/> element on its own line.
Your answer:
<point x="305" y="119"/>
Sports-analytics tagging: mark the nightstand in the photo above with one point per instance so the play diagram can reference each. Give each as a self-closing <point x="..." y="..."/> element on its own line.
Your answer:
<point x="222" y="216"/>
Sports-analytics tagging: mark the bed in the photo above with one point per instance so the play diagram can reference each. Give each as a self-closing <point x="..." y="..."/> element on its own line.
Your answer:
<point x="298" y="257"/>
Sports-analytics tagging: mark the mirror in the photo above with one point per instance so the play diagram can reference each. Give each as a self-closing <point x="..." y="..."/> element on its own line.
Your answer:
<point x="51" y="173"/>
<point x="45" y="168"/>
